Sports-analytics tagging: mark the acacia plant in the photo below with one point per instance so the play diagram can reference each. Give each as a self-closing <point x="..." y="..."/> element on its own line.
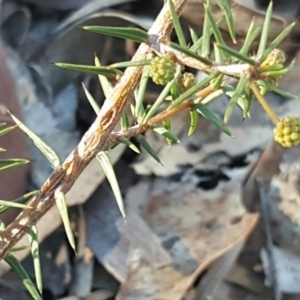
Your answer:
<point x="243" y="76"/>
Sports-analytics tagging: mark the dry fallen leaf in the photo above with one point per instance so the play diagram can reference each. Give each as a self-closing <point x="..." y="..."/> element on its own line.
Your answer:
<point x="246" y="278"/>
<point x="148" y="242"/>
<point x="217" y="272"/>
<point x="225" y="291"/>
<point x="195" y="227"/>
<point x="287" y="267"/>
<point x="290" y="192"/>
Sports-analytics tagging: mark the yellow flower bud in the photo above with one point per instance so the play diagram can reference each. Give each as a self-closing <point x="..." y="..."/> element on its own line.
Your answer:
<point x="287" y="132"/>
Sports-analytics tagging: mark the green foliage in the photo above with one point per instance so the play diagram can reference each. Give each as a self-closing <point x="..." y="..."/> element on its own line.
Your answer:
<point x="177" y="25"/>
<point x="194" y="121"/>
<point x="140" y="93"/>
<point x="190" y="53"/>
<point x="112" y="73"/>
<point x="134" y="34"/>
<point x="10" y="164"/>
<point x="248" y="71"/>
<point x="17" y="267"/>
<point x="108" y="169"/>
<point x="206" y="113"/>
<point x="224" y="5"/>
<point x="142" y="141"/>
<point x="253" y="76"/>
<point x="43" y="147"/>
<point x="265" y="33"/>
<point x="61" y="204"/>
<point x="104" y="82"/>
<point x="34" y="247"/>
<point x="162" y="130"/>
<point x="239" y="91"/>
<point x="19" y="203"/>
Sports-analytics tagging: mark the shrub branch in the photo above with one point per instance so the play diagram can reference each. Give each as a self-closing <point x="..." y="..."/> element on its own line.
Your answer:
<point x="96" y="139"/>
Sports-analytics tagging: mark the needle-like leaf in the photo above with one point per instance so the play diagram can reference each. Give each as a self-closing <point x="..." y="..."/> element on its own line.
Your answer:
<point x="198" y="44"/>
<point x="148" y="148"/>
<point x="166" y="133"/>
<point x="20" y="271"/>
<point x="215" y="29"/>
<point x="34" y="247"/>
<point x="105" y="84"/>
<point x="8" y="204"/>
<point x="187" y="94"/>
<point x="18" y="248"/>
<point x="177" y="26"/>
<point x="194" y="36"/>
<point x="250" y="39"/>
<point x="126" y="64"/>
<point x="240" y="88"/>
<point x="139" y="99"/>
<point x="124" y="121"/>
<point x="237" y="54"/>
<point x="17" y="201"/>
<point x="279" y="39"/>
<point x="211" y="96"/>
<point x="43" y="147"/>
<point x="224" y="5"/>
<point x="206" y="113"/>
<point x="108" y="169"/>
<point x="7" y="130"/>
<point x="105" y="71"/>
<point x="206" y="34"/>
<point x="15" y="163"/>
<point x="265" y="33"/>
<point x="91" y="99"/>
<point x="61" y="203"/>
<point x="190" y="53"/>
<point x="134" y="34"/>
<point x="280" y="92"/>
<point x="194" y="121"/>
<point x="162" y="96"/>
<point x="129" y="144"/>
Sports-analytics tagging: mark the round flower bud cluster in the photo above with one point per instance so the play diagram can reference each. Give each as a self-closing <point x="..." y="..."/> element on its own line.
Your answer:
<point x="186" y="81"/>
<point x="287" y="132"/>
<point x="275" y="57"/>
<point x="162" y="69"/>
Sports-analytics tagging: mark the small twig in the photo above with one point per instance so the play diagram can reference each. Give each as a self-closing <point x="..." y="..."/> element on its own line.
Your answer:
<point x="159" y="118"/>
<point x="263" y="102"/>
<point x="184" y="105"/>
<point x="266" y="221"/>
<point x="232" y="70"/>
